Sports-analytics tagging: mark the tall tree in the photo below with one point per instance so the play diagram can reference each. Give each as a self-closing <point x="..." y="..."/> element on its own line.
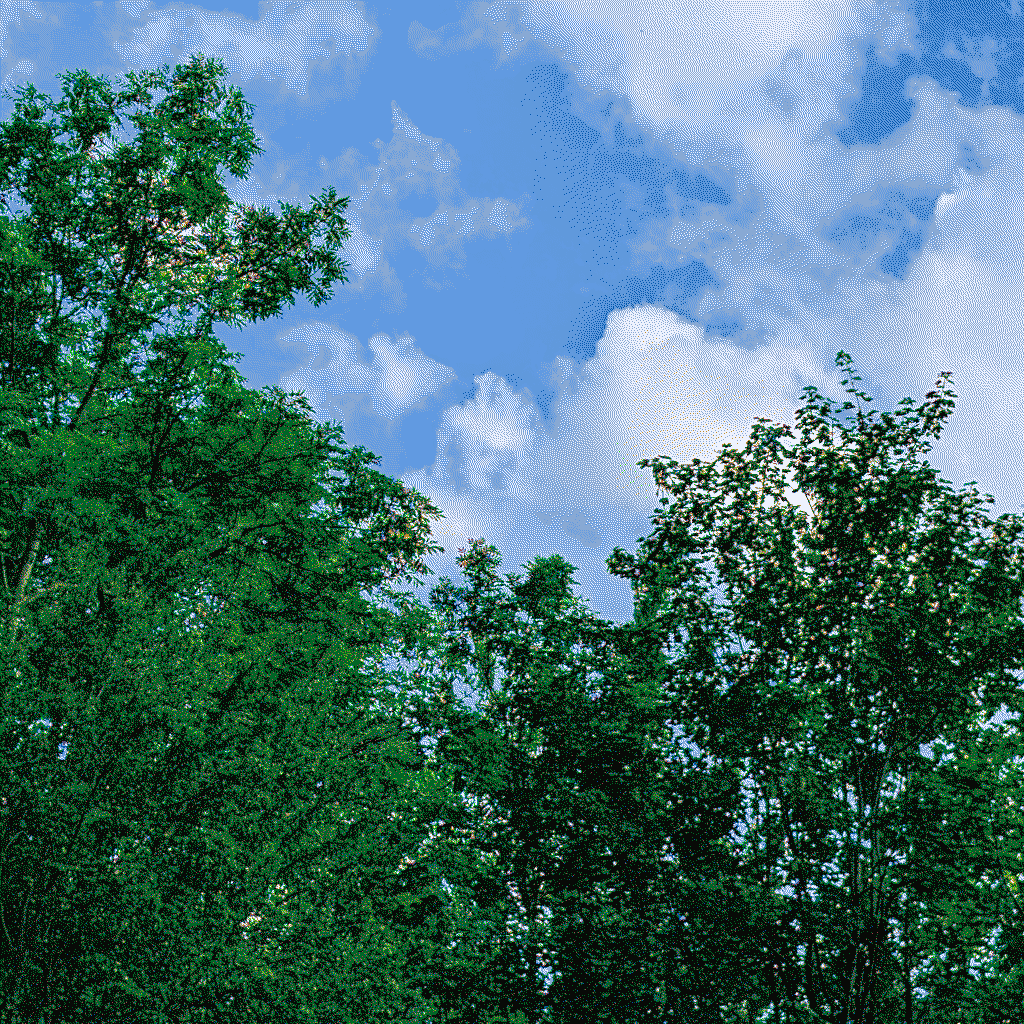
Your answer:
<point x="846" y="664"/>
<point x="198" y="584"/>
<point x="578" y="805"/>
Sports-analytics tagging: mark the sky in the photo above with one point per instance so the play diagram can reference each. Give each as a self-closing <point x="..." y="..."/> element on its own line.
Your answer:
<point x="583" y="239"/>
<point x="588" y="234"/>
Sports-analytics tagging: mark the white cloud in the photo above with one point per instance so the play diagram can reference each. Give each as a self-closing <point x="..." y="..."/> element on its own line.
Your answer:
<point x="361" y="253"/>
<point x="960" y="305"/>
<point x="571" y="484"/>
<point x="759" y="90"/>
<point x="692" y="68"/>
<point x="282" y="44"/>
<point x="494" y="432"/>
<point x="962" y="309"/>
<point x="415" y="163"/>
<point x="398" y="377"/>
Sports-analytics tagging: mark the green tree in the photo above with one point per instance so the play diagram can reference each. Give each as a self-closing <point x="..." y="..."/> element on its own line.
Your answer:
<point x="846" y="664"/>
<point x="577" y="804"/>
<point x="210" y="803"/>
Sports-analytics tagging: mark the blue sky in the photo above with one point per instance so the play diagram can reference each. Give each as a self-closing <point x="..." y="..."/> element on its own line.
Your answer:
<point x="582" y="239"/>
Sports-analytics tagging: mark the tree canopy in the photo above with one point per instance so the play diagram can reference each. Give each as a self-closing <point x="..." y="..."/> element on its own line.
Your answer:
<point x="189" y="579"/>
<point x="847" y="666"/>
<point x="239" y="776"/>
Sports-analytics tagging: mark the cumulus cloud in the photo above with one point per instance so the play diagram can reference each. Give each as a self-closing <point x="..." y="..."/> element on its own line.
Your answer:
<point x="692" y="68"/>
<point x="945" y="190"/>
<point x="491" y="435"/>
<point x="904" y="251"/>
<point x="570" y="484"/>
<point x="960" y="309"/>
<point x="397" y="378"/>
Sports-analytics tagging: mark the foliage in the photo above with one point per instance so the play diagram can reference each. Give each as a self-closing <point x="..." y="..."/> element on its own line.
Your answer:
<point x="237" y="781"/>
<point x="197" y="752"/>
<point x="577" y="803"/>
<point x="849" y="662"/>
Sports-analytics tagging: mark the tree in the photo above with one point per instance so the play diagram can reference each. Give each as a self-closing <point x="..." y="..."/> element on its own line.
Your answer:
<point x="771" y="796"/>
<point x="576" y="804"/>
<point x="198" y="585"/>
<point x="847" y="663"/>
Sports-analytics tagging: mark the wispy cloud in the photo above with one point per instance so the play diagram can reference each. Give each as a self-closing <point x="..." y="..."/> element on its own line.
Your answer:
<point x="417" y="167"/>
<point x="282" y="45"/>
